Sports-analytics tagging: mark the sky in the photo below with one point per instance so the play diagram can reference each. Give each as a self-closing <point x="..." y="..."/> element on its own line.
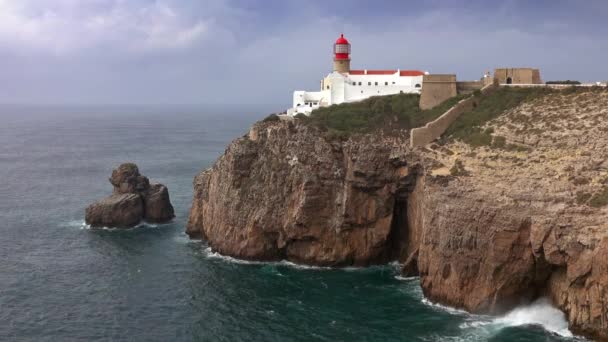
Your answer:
<point x="258" y="52"/>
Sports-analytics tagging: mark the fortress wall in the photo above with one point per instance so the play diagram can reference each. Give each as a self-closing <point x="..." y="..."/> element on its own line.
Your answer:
<point x="436" y="89"/>
<point x="467" y="87"/>
<point x="423" y="135"/>
<point x="518" y="75"/>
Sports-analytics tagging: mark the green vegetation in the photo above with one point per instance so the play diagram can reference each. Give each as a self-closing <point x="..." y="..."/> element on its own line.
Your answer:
<point x="582" y="197"/>
<point x="399" y="111"/>
<point x="271" y="118"/>
<point x="499" y="142"/>
<point x="458" y="169"/>
<point x="301" y="116"/>
<point x="563" y="82"/>
<point x="600" y="198"/>
<point x="468" y="126"/>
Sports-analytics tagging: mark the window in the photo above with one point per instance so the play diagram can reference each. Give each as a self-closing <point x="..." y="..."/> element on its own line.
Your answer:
<point x="393" y="82"/>
<point x="417" y="85"/>
<point x="369" y="83"/>
<point x="361" y="91"/>
<point x="359" y="83"/>
<point x="375" y="83"/>
<point x="327" y="87"/>
<point x="385" y="83"/>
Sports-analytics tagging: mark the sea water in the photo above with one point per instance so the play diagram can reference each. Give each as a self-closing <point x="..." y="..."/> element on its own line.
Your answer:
<point x="63" y="281"/>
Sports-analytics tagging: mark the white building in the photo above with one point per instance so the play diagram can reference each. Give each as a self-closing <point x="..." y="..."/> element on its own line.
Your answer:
<point x="346" y="85"/>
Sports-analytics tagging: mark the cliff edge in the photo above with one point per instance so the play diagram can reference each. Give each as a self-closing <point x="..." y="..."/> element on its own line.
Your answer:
<point x="511" y="205"/>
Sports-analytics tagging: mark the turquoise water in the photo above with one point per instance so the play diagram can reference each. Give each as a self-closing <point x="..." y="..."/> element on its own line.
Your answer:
<point x="61" y="281"/>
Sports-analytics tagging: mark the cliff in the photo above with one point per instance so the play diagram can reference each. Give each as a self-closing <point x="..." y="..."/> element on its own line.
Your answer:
<point x="286" y="191"/>
<point x="514" y="209"/>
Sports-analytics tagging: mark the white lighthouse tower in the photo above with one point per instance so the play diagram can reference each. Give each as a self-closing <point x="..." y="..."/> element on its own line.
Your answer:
<point x="346" y="85"/>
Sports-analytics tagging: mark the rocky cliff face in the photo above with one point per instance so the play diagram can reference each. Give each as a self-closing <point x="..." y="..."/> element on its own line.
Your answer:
<point x="486" y="228"/>
<point x="285" y="191"/>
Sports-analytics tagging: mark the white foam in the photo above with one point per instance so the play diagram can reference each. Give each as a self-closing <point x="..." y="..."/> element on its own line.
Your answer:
<point x="81" y="224"/>
<point x="211" y="254"/>
<point x="541" y="313"/>
<point x="445" y="308"/>
<point x="400" y="277"/>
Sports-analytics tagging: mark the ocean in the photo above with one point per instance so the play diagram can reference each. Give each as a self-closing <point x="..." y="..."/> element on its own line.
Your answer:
<point x="62" y="281"/>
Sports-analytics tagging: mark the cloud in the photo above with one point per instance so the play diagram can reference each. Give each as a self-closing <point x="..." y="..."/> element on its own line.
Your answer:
<point x="259" y="51"/>
<point x="68" y="26"/>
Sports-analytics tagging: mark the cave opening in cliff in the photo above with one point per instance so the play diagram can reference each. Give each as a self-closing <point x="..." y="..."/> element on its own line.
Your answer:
<point x="398" y="236"/>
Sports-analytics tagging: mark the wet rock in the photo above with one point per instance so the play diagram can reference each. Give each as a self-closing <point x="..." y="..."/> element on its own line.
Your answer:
<point x="118" y="210"/>
<point x="158" y="207"/>
<point x="133" y="199"/>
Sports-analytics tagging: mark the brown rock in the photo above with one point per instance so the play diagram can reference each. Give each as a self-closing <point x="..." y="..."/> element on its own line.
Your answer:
<point x="515" y="228"/>
<point x="133" y="200"/>
<point x="118" y="210"/>
<point x="294" y="194"/>
<point x="158" y="207"/>
<point x="127" y="180"/>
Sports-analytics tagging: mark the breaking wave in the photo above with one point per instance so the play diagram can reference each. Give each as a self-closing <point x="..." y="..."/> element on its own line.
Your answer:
<point x="539" y="313"/>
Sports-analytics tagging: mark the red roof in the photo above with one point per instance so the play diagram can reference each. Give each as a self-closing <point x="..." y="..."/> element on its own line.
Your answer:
<point x="387" y="72"/>
<point x="411" y="73"/>
<point x="341" y="40"/>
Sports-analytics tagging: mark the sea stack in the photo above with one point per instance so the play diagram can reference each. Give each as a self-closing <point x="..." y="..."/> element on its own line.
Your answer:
<point x="133" y="199"/>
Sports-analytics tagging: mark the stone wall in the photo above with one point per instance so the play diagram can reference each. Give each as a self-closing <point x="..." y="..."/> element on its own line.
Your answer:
<point x="467" y="87"/>
<point x="423" y="135"/>
<point x="436" y="89"/>
<point x="517" y="75"/>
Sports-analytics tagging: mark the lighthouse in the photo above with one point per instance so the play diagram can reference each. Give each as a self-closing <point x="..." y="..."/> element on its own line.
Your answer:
<point x="346" y="85"/>
<point x="342" y="55"/>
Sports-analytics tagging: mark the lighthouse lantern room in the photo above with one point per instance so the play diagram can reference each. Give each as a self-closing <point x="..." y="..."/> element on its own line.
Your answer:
<point x="346" y="85"/>
<point x="342" y="55"/>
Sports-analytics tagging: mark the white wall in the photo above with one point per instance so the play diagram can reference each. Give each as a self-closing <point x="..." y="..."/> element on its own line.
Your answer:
<point x="342" y="89"/>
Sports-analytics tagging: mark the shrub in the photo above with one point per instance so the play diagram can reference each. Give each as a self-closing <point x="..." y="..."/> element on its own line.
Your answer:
<point x="400" y="111"/>
<point x="580" y="181"/>
<point x="563" y="82"/>
<point x="600" y="198"/>
<point x="271" y="118"/>
<point x="499" y="142"/>
<point x="301" y="116"/>
<point x="458" y="169"/>
<point x="582" y="197"/>
<point x="467" y="127"/>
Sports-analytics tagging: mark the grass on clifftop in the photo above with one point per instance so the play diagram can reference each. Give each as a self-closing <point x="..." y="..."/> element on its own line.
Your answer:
<point x="399" y="111"/>
<point x="468" y="126"/>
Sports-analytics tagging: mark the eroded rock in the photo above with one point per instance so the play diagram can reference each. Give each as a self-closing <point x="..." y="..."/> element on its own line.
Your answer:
<point x="133" y="199"/>
<point x="521" y="223"/>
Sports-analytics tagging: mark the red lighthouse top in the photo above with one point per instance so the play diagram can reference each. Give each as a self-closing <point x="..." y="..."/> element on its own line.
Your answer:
<point x="342" y="48"/>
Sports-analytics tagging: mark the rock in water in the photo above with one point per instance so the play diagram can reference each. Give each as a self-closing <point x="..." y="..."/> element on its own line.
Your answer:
<point x="118" y="210"/>
<point x="133" y="199"/>
<point x="158" y="207"/>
